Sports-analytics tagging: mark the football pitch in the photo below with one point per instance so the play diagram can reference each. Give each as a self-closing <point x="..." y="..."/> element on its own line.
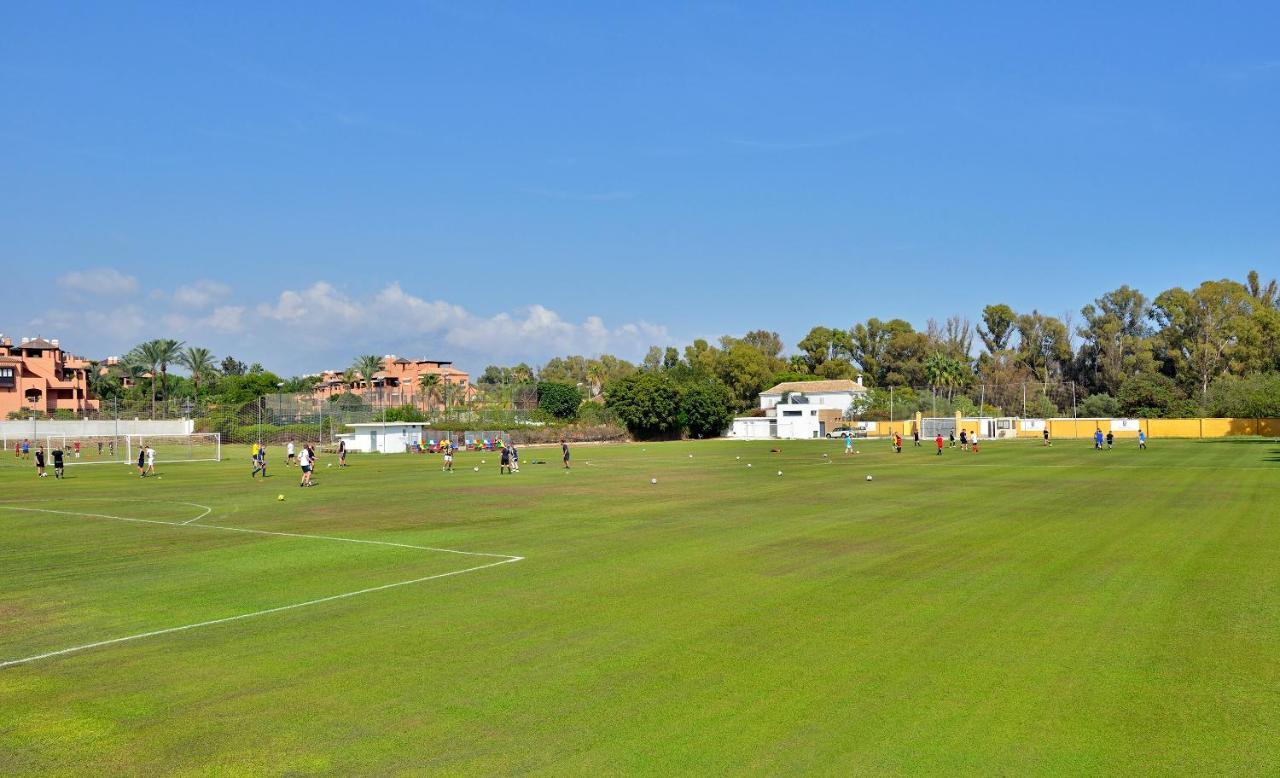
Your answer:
<point x="1024" y="610"/>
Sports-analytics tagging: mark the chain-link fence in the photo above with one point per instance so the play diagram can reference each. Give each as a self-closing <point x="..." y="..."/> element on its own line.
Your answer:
<point x="1039" y="400"/>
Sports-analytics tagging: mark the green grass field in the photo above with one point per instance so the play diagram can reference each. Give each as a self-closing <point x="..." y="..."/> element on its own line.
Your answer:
<point x="1021" y="611"/>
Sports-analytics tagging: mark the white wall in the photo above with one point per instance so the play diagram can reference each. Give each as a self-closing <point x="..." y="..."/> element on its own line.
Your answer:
<point x="10" y="430"/>
<point x="806" y="425"/>
<point x="392" y="439"/>
<point x="751" y="428"/>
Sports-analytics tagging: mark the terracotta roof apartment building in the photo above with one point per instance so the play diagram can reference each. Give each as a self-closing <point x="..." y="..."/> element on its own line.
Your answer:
<point x="398" y="381"/>
<point x="37" y="375"/>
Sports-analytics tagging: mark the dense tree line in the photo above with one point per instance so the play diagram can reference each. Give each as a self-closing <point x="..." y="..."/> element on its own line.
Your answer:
<point x="1210" y="350"/>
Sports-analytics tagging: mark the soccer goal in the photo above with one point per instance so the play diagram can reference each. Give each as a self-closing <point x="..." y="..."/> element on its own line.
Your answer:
<point x="123" y="449"/>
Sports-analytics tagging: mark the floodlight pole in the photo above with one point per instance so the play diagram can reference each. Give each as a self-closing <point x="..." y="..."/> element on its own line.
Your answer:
<point x="890" y="404"/>
<point x="1024" y="399"/>
<point x="1073" y="399"/>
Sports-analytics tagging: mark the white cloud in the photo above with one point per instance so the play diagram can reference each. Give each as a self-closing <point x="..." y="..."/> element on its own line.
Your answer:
<point x="201" y="294"/>
<point x="318" y="303"/>
<point x="103" y="282"/>
<point x="393" y="316"/>
<point x="226" y="318"/>
<point x="321" y="326"/>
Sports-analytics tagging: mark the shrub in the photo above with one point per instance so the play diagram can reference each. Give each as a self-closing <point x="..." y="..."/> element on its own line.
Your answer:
<point x="647" y="403"/>
<point x="1098" y="406"/>
<point x="707" y="409"/>
<point x="559" y="400"/>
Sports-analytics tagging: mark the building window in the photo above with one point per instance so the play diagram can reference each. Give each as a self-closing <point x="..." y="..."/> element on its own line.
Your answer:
<point x="792" y="413"/>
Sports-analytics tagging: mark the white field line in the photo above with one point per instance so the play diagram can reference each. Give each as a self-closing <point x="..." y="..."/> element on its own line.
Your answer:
<point x="503" y="559"/>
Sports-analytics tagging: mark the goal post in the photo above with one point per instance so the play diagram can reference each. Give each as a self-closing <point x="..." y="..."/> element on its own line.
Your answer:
<point x="192" y="447"/>
<point x="123" y="449"/>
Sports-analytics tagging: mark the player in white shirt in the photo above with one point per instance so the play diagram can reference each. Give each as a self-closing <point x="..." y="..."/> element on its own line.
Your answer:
<point x="288" y="455"/>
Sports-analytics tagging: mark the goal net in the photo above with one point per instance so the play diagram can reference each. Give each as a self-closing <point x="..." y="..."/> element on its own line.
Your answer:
<point x="124" y="449"/>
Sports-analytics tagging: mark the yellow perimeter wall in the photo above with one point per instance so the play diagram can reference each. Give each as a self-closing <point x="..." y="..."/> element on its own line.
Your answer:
<point x="1160" y="428"/>
<point x="1155" y="428"/>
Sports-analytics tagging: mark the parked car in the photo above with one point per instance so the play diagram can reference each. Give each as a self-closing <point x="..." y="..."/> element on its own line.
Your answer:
<point x="847" y="432"/>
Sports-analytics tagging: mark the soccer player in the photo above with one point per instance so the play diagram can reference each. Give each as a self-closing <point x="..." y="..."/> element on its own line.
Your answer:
<point x="1046" y="437"/>
<point x="142" y="461"/>
<point x="848" y="445"/>
<point x="964" y="440"/>
<point x="938" y="441"/>
<point x="564" y="453"/>
<point x="515" y="459"/>
<point x="151" y="460"/>
<point x="288" y="455"/>
<point x="1111" y="439"/>
<point x="1097" y="439"/>
<point x="40" y="473"/>
<point x="504" y="461"/>
<point x="26" y="448"/>
<point x="951" y="438"/>
<point x="1142" y="440"/>
<point x="99" y="449"/>
<point x="897" y="443"/>
<point x="57" y="462"/>
<point x="76" y="448"/>
<point x="448" y="456"/>
<point x="342" y="453"/>
<point x="260" y="463"/>
<point x="973" y="441"/>
<point x="304" y="462"/>
<point x="915" y="436"/>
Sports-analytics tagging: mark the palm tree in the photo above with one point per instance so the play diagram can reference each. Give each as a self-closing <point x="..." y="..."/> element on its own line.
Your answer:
<point x="169" y="351"/>
<point x="596" y="375"/>
<point x="348" y="378"/>
<point x="430" y="385"/>
<point x="367" y="365"/>
<point x="450" y="394"/>
<point x="148" y="356"/>
<point x="199" y="362"/>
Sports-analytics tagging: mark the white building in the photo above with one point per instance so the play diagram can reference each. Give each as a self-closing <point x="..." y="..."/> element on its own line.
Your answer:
<point x="801" y="409"/>
<point x="391" y="438"/>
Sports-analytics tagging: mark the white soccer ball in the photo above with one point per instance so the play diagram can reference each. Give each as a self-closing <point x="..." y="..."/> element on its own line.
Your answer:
<point x="483" y="463"/>
<point x="653" y="480"/>
<point x="868" y="478"/>
<point x="691" y="456"/>
<point x="737" y="457"/>
<point x="476" y="469"/>
<point x="748" y="464"/>
<point x="330" y="464"/>
<point x="779" y="472"/>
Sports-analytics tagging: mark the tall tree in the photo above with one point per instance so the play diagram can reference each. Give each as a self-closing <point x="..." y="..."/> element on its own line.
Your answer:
<point x="155" y="355"/>
<point x="1266" y="294"/>
<point x="1000" y="321"/>
<point x="1200" y="330"/>
<point x="199" y="363"/>
<point x="1044" y="345"/>
<point x="429" y="383"/>
<point x="890" y="352"/>
<point x="823" y="344"/>
<point x="1115" y="339"/>
<point x="367" y="365"/>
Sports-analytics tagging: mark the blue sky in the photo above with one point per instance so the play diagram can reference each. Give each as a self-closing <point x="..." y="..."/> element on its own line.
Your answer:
<point x="296" y="183"/>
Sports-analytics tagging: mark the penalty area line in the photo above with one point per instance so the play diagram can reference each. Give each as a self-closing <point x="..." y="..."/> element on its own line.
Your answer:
<point x="254" y="614"/>
<point x="503" y="559"/>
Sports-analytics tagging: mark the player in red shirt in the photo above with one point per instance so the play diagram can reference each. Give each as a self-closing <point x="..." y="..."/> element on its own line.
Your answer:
<point x="938" y="441"/>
